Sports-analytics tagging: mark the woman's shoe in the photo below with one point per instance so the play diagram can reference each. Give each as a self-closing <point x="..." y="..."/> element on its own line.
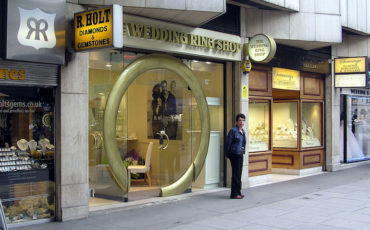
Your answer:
<point x="237" y="197"/>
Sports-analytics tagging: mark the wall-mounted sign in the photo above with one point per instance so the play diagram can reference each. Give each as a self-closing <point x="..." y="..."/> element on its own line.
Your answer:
<point x="350" y="65"/>
<point x="351" y="72"/>
<point x="285" y="79"/>
<point x="244" y="92"/>
<point x="155" y="35"/>
<point x="36" y="31"/>
<point x="261" y="48"/>
<point x="100" y="28"/>
<point x="359" y="92"/>
<point x="350" y="80"/>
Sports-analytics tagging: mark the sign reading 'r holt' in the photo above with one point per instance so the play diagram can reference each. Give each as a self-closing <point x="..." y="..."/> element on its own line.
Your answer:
<point x="95" y="28"/>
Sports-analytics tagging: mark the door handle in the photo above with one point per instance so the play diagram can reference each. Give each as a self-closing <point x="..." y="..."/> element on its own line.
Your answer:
<point x="162" y="134"/>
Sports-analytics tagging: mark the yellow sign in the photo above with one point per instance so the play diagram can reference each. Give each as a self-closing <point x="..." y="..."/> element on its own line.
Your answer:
<point x="350" y="65"/>
<point x="244" y="92"/>
<point x="285" y="79"/>
<point x="98" y="28"/>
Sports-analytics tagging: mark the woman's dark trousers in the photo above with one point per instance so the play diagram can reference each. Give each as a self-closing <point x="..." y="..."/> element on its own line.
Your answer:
<point x="237" y="167"/>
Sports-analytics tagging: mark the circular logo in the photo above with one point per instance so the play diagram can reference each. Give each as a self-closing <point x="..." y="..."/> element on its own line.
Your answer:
<point x="261" y="48"/>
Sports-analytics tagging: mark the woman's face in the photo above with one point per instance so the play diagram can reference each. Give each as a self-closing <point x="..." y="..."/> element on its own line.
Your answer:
<point x="240" y="122"/>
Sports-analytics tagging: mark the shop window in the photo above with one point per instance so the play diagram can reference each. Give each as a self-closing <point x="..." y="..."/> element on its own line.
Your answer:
<point x="357" y="134"/>
<point x="27" y="150"/>
<point x="259" y="126"/>
<point x="285" y="124"/>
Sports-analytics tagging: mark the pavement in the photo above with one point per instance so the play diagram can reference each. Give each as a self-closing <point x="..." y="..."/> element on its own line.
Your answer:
<point x="330" y="201"/>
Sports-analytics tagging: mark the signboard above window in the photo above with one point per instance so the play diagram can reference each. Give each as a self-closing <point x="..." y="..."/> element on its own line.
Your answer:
<point x="287" y="79"/>
<point x="100" y="28"/>
<point x="351" y="72"/>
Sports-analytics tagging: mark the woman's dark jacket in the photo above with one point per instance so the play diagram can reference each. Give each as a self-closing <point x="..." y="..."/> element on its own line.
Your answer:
<point x="235" y="142"/>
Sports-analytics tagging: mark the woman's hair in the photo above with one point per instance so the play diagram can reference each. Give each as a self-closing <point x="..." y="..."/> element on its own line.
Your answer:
<point x="240" y="115"/>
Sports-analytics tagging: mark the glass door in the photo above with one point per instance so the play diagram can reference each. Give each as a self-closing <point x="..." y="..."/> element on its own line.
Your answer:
<point x="158" y="111"/>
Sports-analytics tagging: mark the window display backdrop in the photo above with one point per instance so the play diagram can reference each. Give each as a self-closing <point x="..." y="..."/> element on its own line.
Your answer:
<point x="27" y="185"/>
<point x="285" y="115"/>
<point x="259" y="125"/>
<point x="311" y="124"/>
<point x="358" y="128"/>
<point x="156" y="100"/>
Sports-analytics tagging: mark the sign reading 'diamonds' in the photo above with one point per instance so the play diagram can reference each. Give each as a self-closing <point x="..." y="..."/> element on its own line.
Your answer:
<point x="261" y="48"/>
<point x="285" y="79"/>
<point x="100" y="28"/>
<point x="36" y="31"/>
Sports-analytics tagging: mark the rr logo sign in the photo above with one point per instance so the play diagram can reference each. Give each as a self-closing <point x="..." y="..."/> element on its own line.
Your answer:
<point x="36" y="29"/>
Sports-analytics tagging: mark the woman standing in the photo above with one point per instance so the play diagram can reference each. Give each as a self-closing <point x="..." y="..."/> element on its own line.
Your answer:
<point x="235" y="149"/>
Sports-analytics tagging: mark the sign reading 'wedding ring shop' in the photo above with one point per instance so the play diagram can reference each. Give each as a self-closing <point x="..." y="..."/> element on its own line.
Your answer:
<point x="100" y="28"/>
<point x="287" y="79"/>
<point x="351" y="72"/>
<point x="261" y="48"/>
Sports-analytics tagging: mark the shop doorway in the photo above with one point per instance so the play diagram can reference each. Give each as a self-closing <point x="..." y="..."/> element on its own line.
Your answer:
<point x="160" y="108"/>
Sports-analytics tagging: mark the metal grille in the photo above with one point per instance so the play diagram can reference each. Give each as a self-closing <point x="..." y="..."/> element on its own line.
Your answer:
<point x="36" y="74"/>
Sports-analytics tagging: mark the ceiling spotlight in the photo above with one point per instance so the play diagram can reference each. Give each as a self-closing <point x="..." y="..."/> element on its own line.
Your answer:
<point x="108" y="65"/>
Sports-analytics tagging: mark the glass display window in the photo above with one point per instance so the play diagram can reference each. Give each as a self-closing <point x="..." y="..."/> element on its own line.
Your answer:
<point x="311" y="124"/>
<point x="27" y="184"/>
<point x="259" y="125"/>
<point x="357" y="141"/>
<point x="285" y="115"/>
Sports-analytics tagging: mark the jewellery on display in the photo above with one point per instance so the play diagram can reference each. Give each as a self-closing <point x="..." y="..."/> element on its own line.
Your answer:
<point x="32" y="144"/>
<point x="22" y="144"/>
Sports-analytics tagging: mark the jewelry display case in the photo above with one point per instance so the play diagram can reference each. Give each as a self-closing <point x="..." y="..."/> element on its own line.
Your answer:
<point x="311" y="124"/>
<point x="259" y="125"/>
<point x="285" y="116"/>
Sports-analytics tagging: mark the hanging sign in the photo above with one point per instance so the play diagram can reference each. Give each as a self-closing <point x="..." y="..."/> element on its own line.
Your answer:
<point x="285" y="79"/>
<point x="261" y="48"/>
<point x="100" y="28"/>
<point x="350" y="72"/>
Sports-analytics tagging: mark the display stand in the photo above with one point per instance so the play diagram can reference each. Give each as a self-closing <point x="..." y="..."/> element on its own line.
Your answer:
<point x="260" y="101"/>
<point x="308" y="151"/>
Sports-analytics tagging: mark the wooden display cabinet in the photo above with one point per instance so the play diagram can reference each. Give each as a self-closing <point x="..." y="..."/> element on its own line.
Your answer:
<point x="260" y="93"/>
<point x="308" y="151"/>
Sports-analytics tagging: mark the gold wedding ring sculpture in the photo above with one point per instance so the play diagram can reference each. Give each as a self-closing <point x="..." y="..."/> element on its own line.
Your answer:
<point x="130" y="73"/>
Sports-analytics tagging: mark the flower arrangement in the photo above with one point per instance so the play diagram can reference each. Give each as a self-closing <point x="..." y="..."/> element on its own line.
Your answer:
<point x="133" y="158"/>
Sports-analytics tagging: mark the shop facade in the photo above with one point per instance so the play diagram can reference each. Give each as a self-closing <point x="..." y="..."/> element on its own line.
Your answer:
<point x="29" y="79"/>
<point x="286" y="114"/>
<point x="159" y="113"/>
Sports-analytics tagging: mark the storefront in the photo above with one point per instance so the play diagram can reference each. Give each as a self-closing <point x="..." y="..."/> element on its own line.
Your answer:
<point x="286" y="114"/>
<point x="32" y="45"/>
<point x="158" y="121"/>
<point x="355" y="116"/>
<point x="27" y="112"/>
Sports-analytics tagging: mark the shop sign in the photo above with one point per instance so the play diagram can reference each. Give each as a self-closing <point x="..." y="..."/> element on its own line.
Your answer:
<point x="350" y="80"/>
<point x="287" y="79"/>
<point x="28" y="74"/>
<point x="351" y="72"/>
<point x="167" y="37"/>
<point x="261" y="48"/>
<point x="100" y="28"/>
<point x="350" y="65"/>
<point x="357" y="92"/>
<point x="36" y="31"/>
